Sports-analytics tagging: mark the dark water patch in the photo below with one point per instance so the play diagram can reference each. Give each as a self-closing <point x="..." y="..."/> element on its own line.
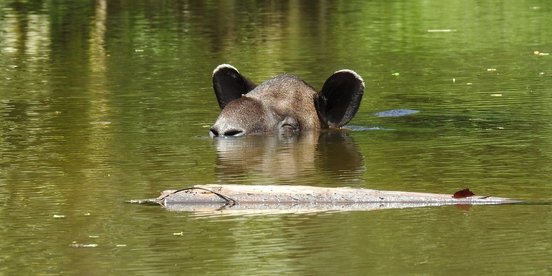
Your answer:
<point x="396" y="113"/>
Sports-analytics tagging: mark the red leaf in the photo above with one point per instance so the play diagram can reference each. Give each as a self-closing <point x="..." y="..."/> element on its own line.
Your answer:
<point x="463" y="193"/>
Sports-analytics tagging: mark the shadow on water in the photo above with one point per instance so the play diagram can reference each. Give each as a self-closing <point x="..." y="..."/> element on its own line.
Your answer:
<point x="330" y="154"/>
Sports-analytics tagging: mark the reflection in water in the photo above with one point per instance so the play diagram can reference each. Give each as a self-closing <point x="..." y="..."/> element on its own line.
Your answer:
<point x="290" y="159"/>
<point x="268" y="209"/>
<point x="102" y="101"/>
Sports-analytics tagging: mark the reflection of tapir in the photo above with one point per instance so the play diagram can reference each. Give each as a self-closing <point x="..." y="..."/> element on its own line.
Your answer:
<point x="309" y="157"/>
<point x="284" y="104"/>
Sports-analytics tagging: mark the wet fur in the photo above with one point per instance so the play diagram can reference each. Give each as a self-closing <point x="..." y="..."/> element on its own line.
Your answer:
<point x="284" y="103"/>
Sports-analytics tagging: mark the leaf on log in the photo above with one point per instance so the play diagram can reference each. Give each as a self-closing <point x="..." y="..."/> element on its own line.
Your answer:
<point x="463" y="193"/>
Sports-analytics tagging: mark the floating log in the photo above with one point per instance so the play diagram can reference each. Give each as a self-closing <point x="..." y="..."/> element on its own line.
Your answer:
<point x="215" y="199"/>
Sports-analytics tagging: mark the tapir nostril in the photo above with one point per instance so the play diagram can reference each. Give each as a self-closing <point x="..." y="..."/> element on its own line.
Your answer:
<point x="233" y="132"/>
<point x="217" y="131"/>
<point x="213" y="132"/>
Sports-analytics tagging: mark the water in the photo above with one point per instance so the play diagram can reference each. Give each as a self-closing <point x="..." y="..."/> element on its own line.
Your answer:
<point x="105" y="101"/>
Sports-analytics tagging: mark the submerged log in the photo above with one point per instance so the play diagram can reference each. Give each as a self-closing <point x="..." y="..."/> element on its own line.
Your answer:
<point x="215" y="199"/>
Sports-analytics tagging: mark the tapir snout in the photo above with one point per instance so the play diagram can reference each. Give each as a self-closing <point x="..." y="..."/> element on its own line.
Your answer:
<point x="284" y="104"/>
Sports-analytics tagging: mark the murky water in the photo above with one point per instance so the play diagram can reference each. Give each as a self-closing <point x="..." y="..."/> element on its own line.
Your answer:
<point x="104" y="101"/>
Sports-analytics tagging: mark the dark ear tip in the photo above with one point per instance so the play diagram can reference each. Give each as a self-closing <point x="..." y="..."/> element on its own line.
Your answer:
<point x="225" y="67"/>
<point x="352" y="74"/>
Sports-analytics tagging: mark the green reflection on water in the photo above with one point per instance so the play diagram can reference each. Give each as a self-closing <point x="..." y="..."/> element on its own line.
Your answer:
<point x="103" y="101"/>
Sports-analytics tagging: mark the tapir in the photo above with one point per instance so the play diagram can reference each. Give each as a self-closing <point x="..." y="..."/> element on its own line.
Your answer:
<point x="284" y="104"/>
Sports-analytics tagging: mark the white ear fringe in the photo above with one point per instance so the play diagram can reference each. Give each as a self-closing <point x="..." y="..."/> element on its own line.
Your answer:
<point x="357" y="76"/>
<point x="224" y="65"/>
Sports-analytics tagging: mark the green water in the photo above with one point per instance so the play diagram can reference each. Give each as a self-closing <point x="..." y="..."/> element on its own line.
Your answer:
<point x="105" y="101"/>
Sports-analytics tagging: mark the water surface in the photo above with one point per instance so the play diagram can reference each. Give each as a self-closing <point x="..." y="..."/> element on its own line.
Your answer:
<point x="104" y="101"/>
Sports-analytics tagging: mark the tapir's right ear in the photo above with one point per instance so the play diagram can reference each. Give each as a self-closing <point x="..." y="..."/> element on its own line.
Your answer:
<point x="340" y="98"/>
<point x="229" y="84"/>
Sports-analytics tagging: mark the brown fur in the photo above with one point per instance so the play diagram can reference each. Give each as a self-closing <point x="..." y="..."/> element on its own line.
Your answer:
<point x="288" y="96"/>
<point x="283" y="104"/>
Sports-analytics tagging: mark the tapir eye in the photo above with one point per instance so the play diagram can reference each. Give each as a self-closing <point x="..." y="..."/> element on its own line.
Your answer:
<point x="289" y="124"/>
<point x="289" y="127"/>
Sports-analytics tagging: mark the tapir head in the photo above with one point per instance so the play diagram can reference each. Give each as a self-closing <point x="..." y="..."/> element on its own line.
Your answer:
<point x="284" y="104"/>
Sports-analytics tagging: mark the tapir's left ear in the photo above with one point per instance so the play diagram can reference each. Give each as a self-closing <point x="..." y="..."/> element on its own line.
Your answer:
<point x="229" y="84"/>
<point x="340" y="98"/>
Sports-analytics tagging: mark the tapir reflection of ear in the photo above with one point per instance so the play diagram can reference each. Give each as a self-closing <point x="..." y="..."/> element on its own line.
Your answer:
<point x="340" y="98"/>
<point x="229" y="84"/>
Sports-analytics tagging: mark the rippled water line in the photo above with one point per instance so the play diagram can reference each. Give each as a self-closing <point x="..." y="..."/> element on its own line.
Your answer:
<point x="105" y="102"/>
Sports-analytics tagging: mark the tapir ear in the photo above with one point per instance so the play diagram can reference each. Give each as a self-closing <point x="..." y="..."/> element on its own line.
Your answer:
<point x="229" y="84"/>
<point x="340" y="98"/>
